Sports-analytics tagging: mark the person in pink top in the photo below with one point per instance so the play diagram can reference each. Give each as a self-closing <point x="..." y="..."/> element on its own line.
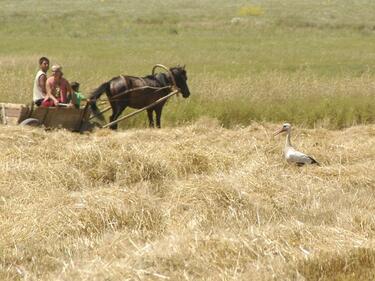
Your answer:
<point x="58" y="88"/>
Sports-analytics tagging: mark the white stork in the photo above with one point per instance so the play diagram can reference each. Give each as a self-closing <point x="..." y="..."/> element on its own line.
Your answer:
<point x="291" y="155"/>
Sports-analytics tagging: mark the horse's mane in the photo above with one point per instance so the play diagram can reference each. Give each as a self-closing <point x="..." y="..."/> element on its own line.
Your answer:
<point x="153" y="77"/>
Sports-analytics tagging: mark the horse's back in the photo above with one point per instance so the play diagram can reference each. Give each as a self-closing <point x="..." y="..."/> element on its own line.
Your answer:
<point x="118" y="84"/>
<point x="125" y="82"/>
<point x="134" y="91"/>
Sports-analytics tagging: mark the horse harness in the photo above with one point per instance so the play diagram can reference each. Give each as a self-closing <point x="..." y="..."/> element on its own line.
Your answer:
<point x="126" y="83"/>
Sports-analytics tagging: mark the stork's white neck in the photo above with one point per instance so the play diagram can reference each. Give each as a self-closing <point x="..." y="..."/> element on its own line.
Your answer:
<point x="287" y="141"/>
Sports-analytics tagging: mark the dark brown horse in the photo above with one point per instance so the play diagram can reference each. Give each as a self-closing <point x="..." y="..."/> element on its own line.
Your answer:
<point x="139" y="92"/>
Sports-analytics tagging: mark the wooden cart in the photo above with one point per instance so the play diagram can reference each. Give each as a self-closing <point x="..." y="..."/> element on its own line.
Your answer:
<point x="72" y="119"/>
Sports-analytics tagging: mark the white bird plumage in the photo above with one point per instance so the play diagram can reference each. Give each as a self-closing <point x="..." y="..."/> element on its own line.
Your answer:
<point x="291" y="155"/>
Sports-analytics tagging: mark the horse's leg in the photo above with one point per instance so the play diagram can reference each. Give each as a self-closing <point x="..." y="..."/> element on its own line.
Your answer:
<point x="112" y="117"/>
<point x="150" y="117"/>
<point x="158" y="110"/>
<point x="116" y="113"/>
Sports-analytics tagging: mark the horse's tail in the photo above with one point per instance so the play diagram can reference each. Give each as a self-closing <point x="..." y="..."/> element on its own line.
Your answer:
<point x="95" y="95"/>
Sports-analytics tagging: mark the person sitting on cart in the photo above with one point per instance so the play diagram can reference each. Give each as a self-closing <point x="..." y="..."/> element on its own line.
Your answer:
<point x="76" y="96"/>
<point x="39" y="91"/>
<point x="58" y="89"/>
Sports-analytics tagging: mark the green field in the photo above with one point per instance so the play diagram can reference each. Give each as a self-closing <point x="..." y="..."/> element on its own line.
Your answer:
<point x="307" y="62"/>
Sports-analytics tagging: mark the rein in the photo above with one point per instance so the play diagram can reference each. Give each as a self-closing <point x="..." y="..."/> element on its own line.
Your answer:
<point x="156" y="89"/>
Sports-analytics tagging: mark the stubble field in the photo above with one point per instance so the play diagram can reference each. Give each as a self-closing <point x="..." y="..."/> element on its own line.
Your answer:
<point x="199" y="202"/>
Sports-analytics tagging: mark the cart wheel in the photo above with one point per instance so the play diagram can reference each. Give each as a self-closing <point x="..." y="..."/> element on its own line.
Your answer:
<point x="30" y="122"/>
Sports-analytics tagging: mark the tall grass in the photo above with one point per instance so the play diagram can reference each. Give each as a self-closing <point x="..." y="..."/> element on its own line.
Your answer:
<point x="301" y="98"/>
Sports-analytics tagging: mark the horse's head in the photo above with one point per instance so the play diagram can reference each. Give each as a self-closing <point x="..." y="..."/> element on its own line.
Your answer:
<point x="179" y="74"/>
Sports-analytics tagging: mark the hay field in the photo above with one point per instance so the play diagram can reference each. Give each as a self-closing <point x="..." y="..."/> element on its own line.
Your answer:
<point x="200" y="202"/>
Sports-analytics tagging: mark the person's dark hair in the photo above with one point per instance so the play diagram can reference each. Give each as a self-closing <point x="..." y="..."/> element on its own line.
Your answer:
<point x="42" y="59"/>
<point x="74" y="85"/>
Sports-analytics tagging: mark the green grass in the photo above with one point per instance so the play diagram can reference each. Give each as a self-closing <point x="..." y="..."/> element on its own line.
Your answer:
<point x="326" y="42"/>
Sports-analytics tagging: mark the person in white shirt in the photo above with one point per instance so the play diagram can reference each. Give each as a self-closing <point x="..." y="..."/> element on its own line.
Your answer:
<point x="40" y="92"/>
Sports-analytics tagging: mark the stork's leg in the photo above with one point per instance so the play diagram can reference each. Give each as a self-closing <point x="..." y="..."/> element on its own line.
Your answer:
<point x="150" y="117"/>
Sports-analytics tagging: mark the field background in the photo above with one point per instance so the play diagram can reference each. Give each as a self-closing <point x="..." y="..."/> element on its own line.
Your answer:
<point x="309" y="62"/>
<point x="208" y="197"/>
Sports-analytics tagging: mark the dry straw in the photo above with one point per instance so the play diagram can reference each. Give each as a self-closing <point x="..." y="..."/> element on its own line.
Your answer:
<point x="191" y="203"/>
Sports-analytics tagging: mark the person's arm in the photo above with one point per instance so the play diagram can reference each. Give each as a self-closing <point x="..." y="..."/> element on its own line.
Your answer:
<point x="70" y="94"/>
<point x="42" y="84"/>
<point x="83" y="97"/>
<point x="50" y="95"/>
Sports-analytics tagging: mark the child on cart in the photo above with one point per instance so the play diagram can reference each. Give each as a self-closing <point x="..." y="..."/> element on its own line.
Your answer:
<point x="77" y="97"/>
